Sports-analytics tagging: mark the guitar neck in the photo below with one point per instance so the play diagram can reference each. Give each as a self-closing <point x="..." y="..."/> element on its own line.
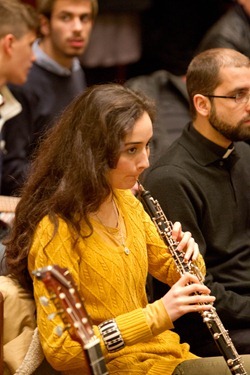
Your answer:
<point x="96" y="360"/>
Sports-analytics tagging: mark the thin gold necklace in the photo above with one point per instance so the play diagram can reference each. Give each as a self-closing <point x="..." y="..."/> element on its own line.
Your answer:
<point x="119" y="227"/>
<point x="121" y="239"/>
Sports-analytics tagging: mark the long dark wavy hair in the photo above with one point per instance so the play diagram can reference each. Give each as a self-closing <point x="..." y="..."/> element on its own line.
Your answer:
<point x="68" y="176"/>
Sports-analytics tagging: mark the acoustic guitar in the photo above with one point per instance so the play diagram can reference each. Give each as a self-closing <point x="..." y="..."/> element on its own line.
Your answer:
<point x="69" y="304"/>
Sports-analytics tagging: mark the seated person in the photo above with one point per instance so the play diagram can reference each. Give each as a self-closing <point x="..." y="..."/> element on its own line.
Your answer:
<point x="203" y="181"/>
<point x="22" y="351"/>
<point x="19" y="323"/>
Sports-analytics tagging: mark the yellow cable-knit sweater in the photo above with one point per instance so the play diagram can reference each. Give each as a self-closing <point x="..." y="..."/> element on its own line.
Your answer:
<point x="112" y="284"/>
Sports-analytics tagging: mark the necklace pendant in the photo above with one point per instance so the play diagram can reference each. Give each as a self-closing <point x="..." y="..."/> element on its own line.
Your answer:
<point x="126" y="250"/>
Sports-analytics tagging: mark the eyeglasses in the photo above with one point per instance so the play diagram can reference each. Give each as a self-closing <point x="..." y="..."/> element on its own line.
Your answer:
<point x="240" y="97"/>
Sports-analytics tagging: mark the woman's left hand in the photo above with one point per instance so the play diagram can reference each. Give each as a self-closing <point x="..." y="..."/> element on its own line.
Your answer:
<point x="186" y="242"/>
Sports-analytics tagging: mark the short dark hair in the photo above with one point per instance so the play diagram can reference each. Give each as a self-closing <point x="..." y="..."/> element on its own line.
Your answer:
<point x="203" y="73"/>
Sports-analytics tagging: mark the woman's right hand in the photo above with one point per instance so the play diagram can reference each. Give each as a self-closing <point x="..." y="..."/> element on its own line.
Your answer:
<point x="187" y="295"/>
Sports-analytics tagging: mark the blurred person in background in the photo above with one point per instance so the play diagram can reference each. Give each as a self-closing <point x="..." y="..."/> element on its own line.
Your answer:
<point x="18" y="27"/>
<point x="232" y="30"/>
<point x="54" y="80"/>
<point x="18" y="30"/>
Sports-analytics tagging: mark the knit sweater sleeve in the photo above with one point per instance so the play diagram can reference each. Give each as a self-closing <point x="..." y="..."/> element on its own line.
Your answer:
<point x="140" y="325"/>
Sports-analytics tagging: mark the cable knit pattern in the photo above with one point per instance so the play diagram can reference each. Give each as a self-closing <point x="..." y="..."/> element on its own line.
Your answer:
<point x="113" y="286"/>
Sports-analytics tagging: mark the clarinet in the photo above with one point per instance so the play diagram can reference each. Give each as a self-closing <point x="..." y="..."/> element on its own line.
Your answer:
<point x="211" y="318"/>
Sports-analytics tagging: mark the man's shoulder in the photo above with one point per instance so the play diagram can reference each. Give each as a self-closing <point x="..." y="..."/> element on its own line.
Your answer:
<point x="42" y="84"/>
<point x="11" y="289"/>
<point x="230" y="31"/>
<point x="39" y="75"/>
<point x="176" y="160"/>
<point x="176" y="154"/>
<point x="149" y="83"/>
<point x="229" y="21"/>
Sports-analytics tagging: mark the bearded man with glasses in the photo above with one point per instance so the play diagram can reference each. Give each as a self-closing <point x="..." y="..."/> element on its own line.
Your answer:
<point x="203" y="181"/>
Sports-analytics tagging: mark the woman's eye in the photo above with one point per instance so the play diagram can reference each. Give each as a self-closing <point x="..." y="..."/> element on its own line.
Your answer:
<point x="132" y="150"/>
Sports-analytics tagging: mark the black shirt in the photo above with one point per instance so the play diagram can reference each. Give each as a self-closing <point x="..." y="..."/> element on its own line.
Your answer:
<point x="210" y="196"/>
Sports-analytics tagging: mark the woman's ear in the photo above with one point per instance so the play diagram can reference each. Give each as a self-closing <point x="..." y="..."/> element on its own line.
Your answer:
<point x="202" y="104"/>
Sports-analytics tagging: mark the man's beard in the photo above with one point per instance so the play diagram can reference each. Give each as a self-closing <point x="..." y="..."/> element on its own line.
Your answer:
<point x="240" y="132"/>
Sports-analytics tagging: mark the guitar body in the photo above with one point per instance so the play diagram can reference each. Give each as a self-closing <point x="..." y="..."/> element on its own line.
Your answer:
<point x="66" y="298"/>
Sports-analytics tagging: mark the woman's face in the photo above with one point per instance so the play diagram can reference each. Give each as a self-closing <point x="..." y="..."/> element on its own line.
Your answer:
<point x="134" y="155"/>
